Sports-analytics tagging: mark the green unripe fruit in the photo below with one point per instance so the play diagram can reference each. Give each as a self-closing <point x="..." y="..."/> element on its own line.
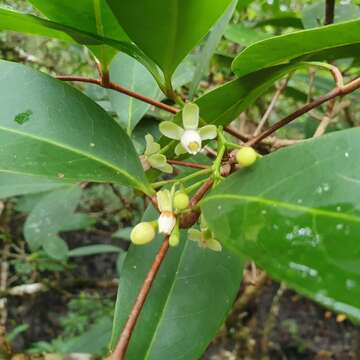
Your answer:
<point x="174" y="238"/>
<point x="246" y="156"/>
<point x="142" y="233"/>
<point x="181" y="200"/>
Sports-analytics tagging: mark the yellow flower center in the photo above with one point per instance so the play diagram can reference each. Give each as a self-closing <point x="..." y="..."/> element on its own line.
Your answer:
<point x="194" y="146"/>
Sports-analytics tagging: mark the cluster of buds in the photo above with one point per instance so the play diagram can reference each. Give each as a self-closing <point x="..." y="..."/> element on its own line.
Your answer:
<point x="170" y="203"/>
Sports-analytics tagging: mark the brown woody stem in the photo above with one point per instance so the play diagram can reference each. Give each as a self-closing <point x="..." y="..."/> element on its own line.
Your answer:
<point x="106" y="83"/>
<point x="338" y="91"/>
<point x="122" y="345"/>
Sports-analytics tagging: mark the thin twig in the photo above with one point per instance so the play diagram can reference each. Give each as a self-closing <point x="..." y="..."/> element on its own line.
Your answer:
<point x="235" y="133"/>
<point x="122" y="345"/>
<point x="271" y="106"/>
<point x="188" y="164"/>
<point x="338" y="91"/>
<point x="121" y="89"/>
<point x="325" y="121"/>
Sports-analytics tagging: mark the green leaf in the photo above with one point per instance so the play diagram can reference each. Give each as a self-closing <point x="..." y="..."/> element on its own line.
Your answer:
<point x="78" y="222"/>
<point x="314" y="15"/>
<point x="189" y="300"/>
<point x="15" y="21"/>
<point x="93" y="16"/>
<point x="167" y="30"/>
<point x="15" y="184"/>
<point x="300" y="45"/>
<point x="209" y="47"/>
<point x="123" y="233"/>
<point x="94" y="250"/>
<point x="225" y="103"/>
<point x="296" y="213"/>
<point x="128" y="72"/>
<point x="93" y="341"/>
<point x="287" y="19"/>
<point x="243" y="35"/>
<point x="48" y="217"/>
<point x="67" y="136"/>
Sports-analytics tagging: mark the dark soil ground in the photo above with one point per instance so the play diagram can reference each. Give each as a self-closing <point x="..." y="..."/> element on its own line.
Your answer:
<point x="299" y="329"/>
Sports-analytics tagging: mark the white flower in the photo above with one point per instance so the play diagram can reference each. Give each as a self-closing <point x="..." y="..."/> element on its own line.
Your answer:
<point x="190" y="136"/>
<point x="167" y="218"/>
<point x="166" y="221"/>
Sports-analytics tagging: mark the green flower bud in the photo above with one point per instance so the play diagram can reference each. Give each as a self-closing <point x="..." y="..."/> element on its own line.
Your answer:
<point x="246" y="156"/>
<point x="175" y="236"/>
<point x="181" y="200"/>
<point x="143" y="233"/>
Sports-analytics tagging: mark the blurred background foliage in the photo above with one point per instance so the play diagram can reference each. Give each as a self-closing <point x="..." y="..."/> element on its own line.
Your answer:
<point x="72" y="303"/>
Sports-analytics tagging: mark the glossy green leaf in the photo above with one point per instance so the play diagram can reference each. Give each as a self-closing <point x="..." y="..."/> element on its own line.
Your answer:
<point x="15" y="184"/>
<point x="209" y="47"/>
<point x="282" y="20"/>
<point x="67" y="135"/>
<point x="243" y="35"/>
<point x="94" y="341"/>
<point x="29" y="24"/>
<point x="48" y="217"/>
<point x="94" y="250"/>
<point x="299" y="45"/>
<point x="314" y="15"/>
<point x="93" y="16"/>
<point x="187" y="304"/>
<point x="128" y="72"/>
<point x="167" y="30"/>
<point x="296" y="213"/>
<point x="225" y="103"/>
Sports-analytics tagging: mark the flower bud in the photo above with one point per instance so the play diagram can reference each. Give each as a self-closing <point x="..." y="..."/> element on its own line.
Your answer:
<point x="143" y="233"/>
<point x="181" y="200"/>
<point x="167" y="221"/>
<point x="191" y="141"/>
<point x="246" y="156"/>
<point x="175" y="236"/>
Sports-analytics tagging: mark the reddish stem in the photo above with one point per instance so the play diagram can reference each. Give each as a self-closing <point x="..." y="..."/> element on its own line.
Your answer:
<point x="122" y="345"/>
<point x="338" y="91"/>
<point x="188" y="164"/>
<point x="106" y="83"/>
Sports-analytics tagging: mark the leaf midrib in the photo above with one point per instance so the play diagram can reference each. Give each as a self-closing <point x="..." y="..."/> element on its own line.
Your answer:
<point x="285" y="205"/>
<point x="76" y="151"/>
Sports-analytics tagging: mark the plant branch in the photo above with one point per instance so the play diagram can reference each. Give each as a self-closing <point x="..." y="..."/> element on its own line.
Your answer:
<point x="270" y="108"/>
<point x="230" y="130"/>
<point x="338" y="91"/>
<point x="325" y="121"/>
<point x="329" y="12"/>
<point x="122" y="345"/>
<point x="107" y="84"/>
<point x="187" y="164"/>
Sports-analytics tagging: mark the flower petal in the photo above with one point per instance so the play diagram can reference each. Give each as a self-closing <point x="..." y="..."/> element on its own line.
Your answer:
<point x="194" y="235"/>
<point x="157" y="160"/>
<point x="164" y="200"/>
<point x="214" y="245"/>
<point x="152" y="147"/>
<point x="208" y="132"/>
<point x="179" y="149"/>
<point x="190" y="116"/>
<point x="191" y="141"/>
<point x="167" y="168"/>
<point x="171" y="130"/>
